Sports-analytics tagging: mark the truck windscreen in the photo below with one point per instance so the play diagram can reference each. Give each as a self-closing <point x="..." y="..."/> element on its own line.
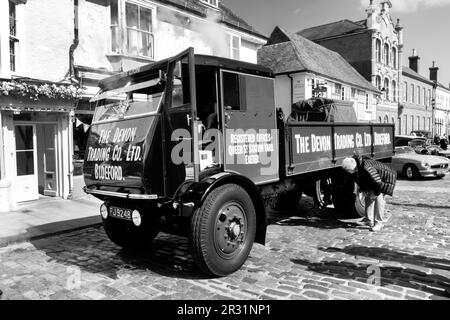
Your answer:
<point x="127" y="105"/>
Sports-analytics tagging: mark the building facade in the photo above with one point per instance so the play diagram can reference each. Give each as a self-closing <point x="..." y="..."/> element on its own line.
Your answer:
<point x="440" y="104"/>
<point x="51" y="48"/>
<point x="305" y="69"/>
<point x="373" y="46"/>
<point x="416" y="111"/>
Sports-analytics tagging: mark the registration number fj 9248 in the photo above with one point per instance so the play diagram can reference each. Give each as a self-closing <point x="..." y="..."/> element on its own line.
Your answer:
<point x="120" y="213"/>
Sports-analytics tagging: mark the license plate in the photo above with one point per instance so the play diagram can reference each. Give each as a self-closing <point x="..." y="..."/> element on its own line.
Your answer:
<point x="120" y="213"/>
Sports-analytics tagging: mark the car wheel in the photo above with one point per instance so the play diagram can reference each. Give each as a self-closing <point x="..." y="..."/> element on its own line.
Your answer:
<point x="411" y="172"/>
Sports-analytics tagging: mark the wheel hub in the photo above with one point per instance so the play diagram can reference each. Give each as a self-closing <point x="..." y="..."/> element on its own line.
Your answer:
<point x="230" y="228"/>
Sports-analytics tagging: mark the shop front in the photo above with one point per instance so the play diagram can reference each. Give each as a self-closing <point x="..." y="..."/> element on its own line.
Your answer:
<point x="37" y="139"/>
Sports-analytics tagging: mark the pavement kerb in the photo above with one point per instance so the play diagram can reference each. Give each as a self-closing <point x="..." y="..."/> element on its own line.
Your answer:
<point x="6" y="241"/>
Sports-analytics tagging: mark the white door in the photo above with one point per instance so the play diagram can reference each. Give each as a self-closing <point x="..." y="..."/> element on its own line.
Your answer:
<point x="26" y="182"/>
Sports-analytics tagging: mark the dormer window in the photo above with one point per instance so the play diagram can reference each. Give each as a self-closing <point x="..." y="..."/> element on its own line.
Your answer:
<point x="214" y="3"/>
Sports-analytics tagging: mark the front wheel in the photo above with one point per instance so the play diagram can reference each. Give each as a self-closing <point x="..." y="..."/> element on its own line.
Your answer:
<point x="411" y="172"/>
<point x="223" y="230"/>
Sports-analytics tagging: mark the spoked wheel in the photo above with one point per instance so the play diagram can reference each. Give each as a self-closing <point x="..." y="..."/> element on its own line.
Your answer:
<point x="223" y="230"/>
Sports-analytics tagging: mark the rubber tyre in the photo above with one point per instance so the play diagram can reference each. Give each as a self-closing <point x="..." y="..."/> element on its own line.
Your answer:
<point x="322" y="192"/>
<point x="411" y="172"/>
<point x="205" y="225"/>
<point x="126" y="235"/>
<point x="348" y="200"/>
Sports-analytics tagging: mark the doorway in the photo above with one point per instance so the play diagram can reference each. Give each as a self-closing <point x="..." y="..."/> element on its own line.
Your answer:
<point x="46" y="151"/>
<point x="26" y="186"/>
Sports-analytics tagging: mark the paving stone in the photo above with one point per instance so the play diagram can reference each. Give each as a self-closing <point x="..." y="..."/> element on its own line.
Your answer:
<point x="315" y="295"/>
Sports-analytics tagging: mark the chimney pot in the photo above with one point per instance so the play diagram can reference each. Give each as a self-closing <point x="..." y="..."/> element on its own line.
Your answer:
<point x="414" y="61"/>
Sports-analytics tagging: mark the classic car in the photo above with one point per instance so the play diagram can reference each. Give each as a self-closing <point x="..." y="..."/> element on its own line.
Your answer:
<point x="413" y="165"/>
<point x="421" y="145"/>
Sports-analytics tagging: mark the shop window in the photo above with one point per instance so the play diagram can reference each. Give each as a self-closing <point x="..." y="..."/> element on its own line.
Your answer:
<point x="24" y="150"/>
<point x="138" y="24"/>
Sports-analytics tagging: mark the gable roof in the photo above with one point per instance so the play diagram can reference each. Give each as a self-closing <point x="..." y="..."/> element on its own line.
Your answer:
<point x="411" y="73"/>
<point x="227" y="16"/>
<point x="332" y="29"/>
<point x="290" y="53"/>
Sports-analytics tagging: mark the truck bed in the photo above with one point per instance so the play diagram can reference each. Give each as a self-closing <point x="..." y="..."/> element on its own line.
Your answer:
<point x="314" y="146"/>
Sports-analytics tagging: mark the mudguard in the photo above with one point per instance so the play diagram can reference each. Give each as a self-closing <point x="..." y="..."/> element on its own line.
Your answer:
<point x="191" y="195"/>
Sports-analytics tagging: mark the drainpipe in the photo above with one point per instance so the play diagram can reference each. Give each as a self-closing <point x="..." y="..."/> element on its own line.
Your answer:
<point x="73" y="78"/>
<point x="75" y="42"/>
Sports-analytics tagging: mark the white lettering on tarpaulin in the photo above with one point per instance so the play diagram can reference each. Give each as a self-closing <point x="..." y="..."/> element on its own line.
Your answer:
<point x="382" y="139"/>
<point x="104" y="172"/>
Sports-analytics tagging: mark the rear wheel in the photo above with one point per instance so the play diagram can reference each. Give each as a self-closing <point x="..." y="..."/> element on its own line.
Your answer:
<point x="411" y="172"/>
<point x="322" y="192"/>
<point x="128" y="236"/>
<point x="348" y="200"/>
<point x="223" y="230"/>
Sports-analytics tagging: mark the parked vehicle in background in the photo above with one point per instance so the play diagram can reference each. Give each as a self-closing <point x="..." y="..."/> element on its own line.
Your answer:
<point x="421" y="133"/>
<point x="421" y="145"/>
<point x="409" y="163"/>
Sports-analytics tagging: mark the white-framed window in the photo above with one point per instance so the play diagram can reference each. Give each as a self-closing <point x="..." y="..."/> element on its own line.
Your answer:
<point x="405" y="91"/>
<point x="394" y="91"/>
<point x="378" y="50"/>
<point x="136" y="24"/>
<point x="424" y="99"/>
<point x="13" y="39"/>
<point x="343" y="93"/>
<point x="394" y="57"/>
<point x="412" y="93"/>
<point x="234" y="43"/>
<point x="367" y="102"/>
<point x="354" y="91"/>
<point x="386" y="89"/>
<point x="214" y="3"/>
<point x="386" y="54"/>
<point x="418" y="95"/>
<point x="337" y="88"/>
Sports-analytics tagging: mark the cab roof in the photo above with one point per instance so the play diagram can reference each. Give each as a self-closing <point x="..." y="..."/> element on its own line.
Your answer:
<point x="144" y="72"/>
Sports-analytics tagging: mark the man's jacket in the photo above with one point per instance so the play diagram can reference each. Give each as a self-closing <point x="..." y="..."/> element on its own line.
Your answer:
<point x="375" y="176"/>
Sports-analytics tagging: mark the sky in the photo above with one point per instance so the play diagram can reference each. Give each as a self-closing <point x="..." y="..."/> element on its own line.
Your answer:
<point x="426" y="23"/>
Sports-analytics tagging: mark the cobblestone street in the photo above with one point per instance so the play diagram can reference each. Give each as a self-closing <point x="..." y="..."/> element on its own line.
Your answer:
<point x="309" y="255"/>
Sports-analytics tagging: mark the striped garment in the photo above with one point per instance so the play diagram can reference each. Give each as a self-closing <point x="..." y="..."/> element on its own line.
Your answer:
<point x="376" y="176"/>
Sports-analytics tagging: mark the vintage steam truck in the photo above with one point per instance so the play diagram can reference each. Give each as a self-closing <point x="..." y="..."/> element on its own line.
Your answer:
<point x="196" y="144"/>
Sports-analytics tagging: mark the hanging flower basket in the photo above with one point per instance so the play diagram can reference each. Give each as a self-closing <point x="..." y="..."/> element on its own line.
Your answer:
<point x="37" y="91"/>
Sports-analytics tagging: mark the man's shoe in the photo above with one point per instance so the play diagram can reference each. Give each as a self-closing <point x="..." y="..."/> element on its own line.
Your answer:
<point x="377" y="227"/>
<point x="365" y="222"/>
